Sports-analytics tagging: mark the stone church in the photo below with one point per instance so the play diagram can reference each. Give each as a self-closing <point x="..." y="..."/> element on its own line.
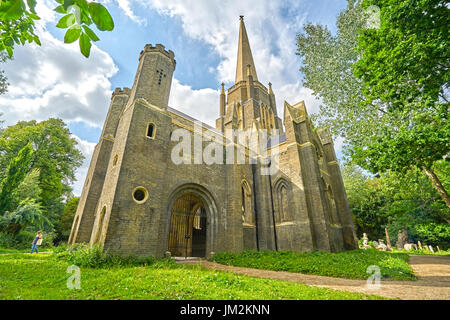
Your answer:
<point x="137" y="200"/>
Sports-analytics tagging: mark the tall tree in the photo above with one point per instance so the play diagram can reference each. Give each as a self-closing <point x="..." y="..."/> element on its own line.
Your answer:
<point x="55" y="156"/>
<point x="405" y="64"/>
<point x="397" y="201"/>
<point x="16" y="171"/>
<point x="378" y="136"/>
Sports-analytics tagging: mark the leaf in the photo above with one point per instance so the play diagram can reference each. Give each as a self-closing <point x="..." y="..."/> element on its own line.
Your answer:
<point x="36" y="40"/>
<point x="12" y="9"/>
<point x="66" y="21"/>
<point x="32" y="5"/>
<point x="85" y="45"/>
<point x="90" y="33"/>
<point x="10" y="51"/>
<point x="60" y="9"/>
<point x="101" y="17"/>
<point x="72" y="34"/>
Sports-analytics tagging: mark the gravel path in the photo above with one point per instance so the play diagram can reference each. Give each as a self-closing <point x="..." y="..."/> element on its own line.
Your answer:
<point x="433" y="282"/>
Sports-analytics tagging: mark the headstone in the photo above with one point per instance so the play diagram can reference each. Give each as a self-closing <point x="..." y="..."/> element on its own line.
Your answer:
<point x="382" y="246"/>
<point x="375" y="243"/>
<point x="402" y="239"/>
<point x="431" y="248"/>
<point x="365" y="242"/>
<point x="425" y="246"/>
<point x="408" y="246"/>
<point x="438" y="249"/>
<point x="420" y="245"/>
<point x="167" y="254"/>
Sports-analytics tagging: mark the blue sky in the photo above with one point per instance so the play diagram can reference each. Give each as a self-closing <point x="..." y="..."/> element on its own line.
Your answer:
<point x="56" y="81"/>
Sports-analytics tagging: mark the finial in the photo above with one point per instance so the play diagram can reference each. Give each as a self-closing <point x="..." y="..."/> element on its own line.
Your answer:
<point x="223" y="87"/>
<point x="241" y="18"/>
<point x="270" y="87"/>
<point x="249" y="70"/>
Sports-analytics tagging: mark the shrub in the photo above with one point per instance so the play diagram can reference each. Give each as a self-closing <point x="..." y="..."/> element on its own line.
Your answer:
<point x="348" y="264"/>
<point x="24" y="239"/>
<point x="83" y="255"/>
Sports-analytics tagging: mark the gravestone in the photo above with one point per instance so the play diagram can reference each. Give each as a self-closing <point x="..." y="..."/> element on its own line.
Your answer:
<point x="382" y="246"/>
<point x="431" y="248"/>
<point x="409" y="246"/>
<point x="365" y="242"/>
<point x="420" y="245"/>
<point x="402" y="239"/>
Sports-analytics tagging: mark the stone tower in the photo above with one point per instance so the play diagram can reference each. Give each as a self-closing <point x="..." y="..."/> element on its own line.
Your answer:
<point x="249" y="102"/>
<point x="157" y="183"/>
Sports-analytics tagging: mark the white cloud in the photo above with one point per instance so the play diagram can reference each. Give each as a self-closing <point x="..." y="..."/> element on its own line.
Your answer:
<point x="272" y="38"/>
<point x="55" y="80"/>
<point x="200" y="104"/>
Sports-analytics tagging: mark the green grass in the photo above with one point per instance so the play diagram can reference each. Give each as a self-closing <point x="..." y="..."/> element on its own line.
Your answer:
<point x="44" y="276"/>
<point x="426" y="253"/>
<point x="348" y="264"/>
<point x="6" y="250"/>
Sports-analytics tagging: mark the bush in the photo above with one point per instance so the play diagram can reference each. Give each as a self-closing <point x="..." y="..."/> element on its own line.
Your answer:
<point x="84" y="255"/>
<point x="348" y="264"/>
<point x="24" y="239"/>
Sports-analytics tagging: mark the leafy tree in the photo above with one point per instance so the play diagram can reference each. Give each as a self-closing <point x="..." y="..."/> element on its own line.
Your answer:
<point x="17" y="169"/>
<point x="398" y="202"/>
<point x="64" y="225"/>
<point x="55" y="156"/>
<point x="28" y="213"/>
<point x="17" y="18"/>
<point x="378" y="136"/>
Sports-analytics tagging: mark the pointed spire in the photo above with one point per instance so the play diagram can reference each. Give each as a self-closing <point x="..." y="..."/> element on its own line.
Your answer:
<point x="245" y="57"/>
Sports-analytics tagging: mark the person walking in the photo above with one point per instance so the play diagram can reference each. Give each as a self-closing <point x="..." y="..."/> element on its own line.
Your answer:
<point x="37" y="241"/>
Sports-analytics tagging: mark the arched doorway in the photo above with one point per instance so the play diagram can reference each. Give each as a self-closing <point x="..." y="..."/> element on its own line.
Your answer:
<point x="188" y="226"/>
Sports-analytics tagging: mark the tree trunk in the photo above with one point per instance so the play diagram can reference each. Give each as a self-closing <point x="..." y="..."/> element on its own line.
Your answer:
<point x="388" y="241"/>
<point x="439" y="187"/>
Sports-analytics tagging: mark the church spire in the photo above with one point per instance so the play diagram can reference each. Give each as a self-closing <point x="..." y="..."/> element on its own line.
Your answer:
<point x="245" y="57"/>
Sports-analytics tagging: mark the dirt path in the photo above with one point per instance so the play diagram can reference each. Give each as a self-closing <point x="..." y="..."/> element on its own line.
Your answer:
<point x="433" y="282"/>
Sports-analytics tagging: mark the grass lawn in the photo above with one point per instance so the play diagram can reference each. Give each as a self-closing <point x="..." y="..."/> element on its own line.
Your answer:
<point x="2" y="250"/>
<point x="347" y="264"/>
<point x="44" y="276"/>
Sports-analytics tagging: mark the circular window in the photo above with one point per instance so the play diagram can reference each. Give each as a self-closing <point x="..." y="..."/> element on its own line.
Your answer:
<point x="140" y="195"/>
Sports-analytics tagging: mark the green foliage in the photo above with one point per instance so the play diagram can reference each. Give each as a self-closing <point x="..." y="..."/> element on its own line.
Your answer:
<point x="55" y="157"/>
<point x="406" y="60"/>
<point x="381" y="134"/>
<point x="64" y="225"/>
<point x="433" y="233"/>
<point x="83" y="255"/>
<point x="162" y="280"/>
<point x="17" y="22"/>
<point x="348" y="264"/>
<point x="394" y="201"/>
<point x="28" y="213"/>
<point x="22" y="241"/>
<point x="17" y="169"/>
